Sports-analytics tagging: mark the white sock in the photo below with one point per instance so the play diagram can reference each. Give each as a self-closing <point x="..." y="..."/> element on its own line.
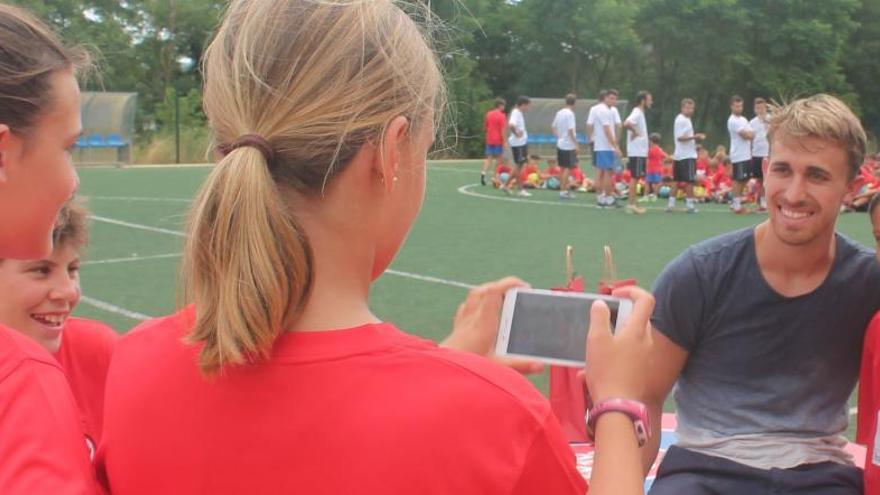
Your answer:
<point x="690" y="203"/>
<point x="671" y="202"/>
<point x="737" y="204"/>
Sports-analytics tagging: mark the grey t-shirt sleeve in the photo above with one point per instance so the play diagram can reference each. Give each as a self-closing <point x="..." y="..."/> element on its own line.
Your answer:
<point x="680" y="300"/>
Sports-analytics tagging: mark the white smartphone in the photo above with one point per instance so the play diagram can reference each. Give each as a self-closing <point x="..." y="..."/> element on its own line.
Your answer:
<point x="551" y="326"/>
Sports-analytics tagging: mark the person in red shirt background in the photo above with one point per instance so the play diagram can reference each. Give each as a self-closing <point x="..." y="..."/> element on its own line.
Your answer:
<point x="869" y="381"/>
<point x="494" y="124"/>
<point x="39" y="297"/>
<point x="526" y="176"/>
<point x="278" y="377"/>
<point x="42" y="445"/>
<point x="656" y="158"/>
<point x="502" y="174"/>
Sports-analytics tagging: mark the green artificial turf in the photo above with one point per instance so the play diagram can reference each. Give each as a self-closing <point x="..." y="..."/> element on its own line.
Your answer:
<point x="466" y="234"/>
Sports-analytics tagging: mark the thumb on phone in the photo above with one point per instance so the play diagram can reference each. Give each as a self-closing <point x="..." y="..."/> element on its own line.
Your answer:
<point x="600" y="324"/>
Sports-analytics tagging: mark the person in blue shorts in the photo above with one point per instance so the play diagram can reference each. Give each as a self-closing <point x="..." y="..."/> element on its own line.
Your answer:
<point x="606" y="149"/>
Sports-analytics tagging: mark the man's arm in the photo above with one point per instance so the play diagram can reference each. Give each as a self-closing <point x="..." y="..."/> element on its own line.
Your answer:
<point x="611" y="140"/>
<point x="669" y="359"/>
<point x="746" y="133"/>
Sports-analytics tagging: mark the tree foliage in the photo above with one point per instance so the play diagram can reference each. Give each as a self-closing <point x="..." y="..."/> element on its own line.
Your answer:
<point x="703" y="49"/>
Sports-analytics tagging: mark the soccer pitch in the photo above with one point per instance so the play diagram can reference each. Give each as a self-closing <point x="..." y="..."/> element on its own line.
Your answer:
<point x="466" y="234"/>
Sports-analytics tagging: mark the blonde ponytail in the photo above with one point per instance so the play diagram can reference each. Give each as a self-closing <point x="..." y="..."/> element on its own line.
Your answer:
<point x="247" y="260"/>
<point x="314" y="80"/>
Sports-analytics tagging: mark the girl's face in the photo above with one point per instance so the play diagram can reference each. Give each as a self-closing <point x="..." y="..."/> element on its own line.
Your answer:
<point x="36" y="172"/>
<point x="38" y="296"/>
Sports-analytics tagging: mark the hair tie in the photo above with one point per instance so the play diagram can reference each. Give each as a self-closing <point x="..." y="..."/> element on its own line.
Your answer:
<point x="254" y="141"/>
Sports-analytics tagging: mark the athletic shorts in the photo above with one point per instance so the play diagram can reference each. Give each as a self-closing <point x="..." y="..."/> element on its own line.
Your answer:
<point x="566" y="158"/>
<point x="742" y="171"/>
<point x="520" y="154"/>
<point x="637" y="166"/>
<point x="684" y="170"/>
<point x="758" y="167"/>
<point x="687" y="472"/>
<point x="604" y="160"/>
<point x="494" y="149"/>
<point x="655" y="177"/>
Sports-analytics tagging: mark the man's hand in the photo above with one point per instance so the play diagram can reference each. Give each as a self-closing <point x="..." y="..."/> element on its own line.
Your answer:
<point x="475" y="327"/>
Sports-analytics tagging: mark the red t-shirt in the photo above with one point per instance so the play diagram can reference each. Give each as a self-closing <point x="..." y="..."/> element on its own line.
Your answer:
<point x="720" y="178"/>
<point x="503" y="169"/>
<point x="656" y="155"/>
<point x="703" y="165"/>
<point x="495" y="123"/>
<point x="86" y="349"/>
<point x="528" y="170"/>
<point x="363" y="410"/>
<point x="577" y="174"/>
<point x="42" y="446"/>
<point x="869" y="405"/>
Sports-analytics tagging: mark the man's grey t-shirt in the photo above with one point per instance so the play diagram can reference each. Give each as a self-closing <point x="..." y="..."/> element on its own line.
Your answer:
<point x="767" y="377"/>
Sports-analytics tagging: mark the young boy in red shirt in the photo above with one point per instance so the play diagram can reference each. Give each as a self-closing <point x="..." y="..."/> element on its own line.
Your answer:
<point x="656" y="157"/>
<point x="39" y="297"/>
<point x="869" y="381"/>
<point x="494" y="125"/>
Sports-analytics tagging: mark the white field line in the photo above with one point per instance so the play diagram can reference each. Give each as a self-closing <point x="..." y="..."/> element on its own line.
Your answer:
<point x="131" y="258"/>
<point x="426" y="278"/>
<point x="466" y="190"/>
<point x="112" y="308"/>
<point x="149" y="228"/>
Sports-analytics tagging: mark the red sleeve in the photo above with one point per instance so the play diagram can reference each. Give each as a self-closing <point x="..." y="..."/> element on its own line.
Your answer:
<point x="42" y="447"/>
<point x="868" y="385"/>
<point x="550" y="465"/>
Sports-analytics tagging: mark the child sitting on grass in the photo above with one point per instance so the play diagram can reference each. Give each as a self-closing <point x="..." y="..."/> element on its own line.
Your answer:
<point x="550" y="175"/>
<point x="502" y="174"/>
<point x="39" y="297"/>
<point x="530" y="176"/>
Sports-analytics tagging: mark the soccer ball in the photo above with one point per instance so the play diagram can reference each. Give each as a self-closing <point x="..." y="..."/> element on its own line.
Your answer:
<point x="504" y="177"/>
<point x="664" y="191"/>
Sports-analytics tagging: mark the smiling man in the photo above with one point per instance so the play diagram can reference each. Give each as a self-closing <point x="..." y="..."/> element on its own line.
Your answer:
<point x="762" y="328"/>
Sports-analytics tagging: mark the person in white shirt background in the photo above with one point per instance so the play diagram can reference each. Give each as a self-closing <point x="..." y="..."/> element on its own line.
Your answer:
<point x="637" y="147"/>
<point x="564" y="128"/>
<point x="760" y="147"/>
<point x="740" y="150"/>
<point x="518" y="141"/>
<point x="684" y="168"/>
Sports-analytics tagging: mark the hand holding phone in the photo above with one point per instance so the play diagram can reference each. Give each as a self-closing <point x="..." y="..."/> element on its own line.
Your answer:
<point x="475" y="327"/>
<point x="618" y="364"/>
<point x="551" y="326"/>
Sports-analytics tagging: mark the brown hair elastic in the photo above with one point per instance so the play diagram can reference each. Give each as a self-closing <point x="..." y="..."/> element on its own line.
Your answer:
<point x="254" y="141"/>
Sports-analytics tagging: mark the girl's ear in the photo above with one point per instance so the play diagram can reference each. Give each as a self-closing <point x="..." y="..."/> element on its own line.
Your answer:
<point x="5" y="144"/>
<point x="386" y="162"/>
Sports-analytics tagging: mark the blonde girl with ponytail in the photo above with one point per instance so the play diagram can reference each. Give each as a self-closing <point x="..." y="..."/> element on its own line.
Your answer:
<point x="277" y="377"/>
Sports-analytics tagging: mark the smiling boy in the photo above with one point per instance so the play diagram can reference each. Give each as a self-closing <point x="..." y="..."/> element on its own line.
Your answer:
<point x="38" y="299"/>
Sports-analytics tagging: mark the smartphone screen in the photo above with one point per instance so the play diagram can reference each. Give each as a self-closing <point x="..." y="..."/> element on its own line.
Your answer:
<point x="552" y="326"/>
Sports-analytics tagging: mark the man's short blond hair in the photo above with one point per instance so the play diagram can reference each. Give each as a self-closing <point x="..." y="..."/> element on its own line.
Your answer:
<point x="825" y="117"/>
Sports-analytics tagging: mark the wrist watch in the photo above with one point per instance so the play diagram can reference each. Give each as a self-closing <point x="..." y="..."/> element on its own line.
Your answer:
<point x="634" y="410"/>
